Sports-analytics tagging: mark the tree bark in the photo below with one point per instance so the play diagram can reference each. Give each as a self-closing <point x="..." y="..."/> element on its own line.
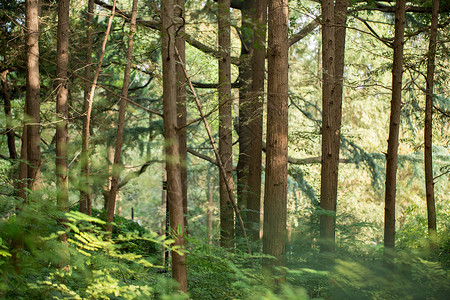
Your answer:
<point x="245" y="113"/>
<point x="84" y="183"/>
<point x="32" y="99"/>
<point x="333" y="55"/>
<point x="225" y="124"/>
<point x="62" y="108"/>
<point x="8" y="116"/>
<point x="428" y="134"/>
<point x="259" y="17"/>
<point x="121" y="122"/>
<point x="181" y="104"/>
<point x="173" y="167"/>
<point x="394" y="125"/>
<point x="275" y="196"/>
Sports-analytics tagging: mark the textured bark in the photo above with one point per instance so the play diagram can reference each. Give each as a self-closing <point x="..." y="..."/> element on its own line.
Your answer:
<point x="121" y="122"/>
<point x="245" y="113"/>
<point x="8" y="116"/>
<point x="62" y="108"/>
<point x="259" y="17"/>
<point x="394" y="125"/>
<point x="32" y="100"/>
<point x="181" y="104"/>
<point x="428" y="134"/>
<point x="225" y="124"/>
<point x="275" y="196"/>
<point x="85" y="192"/>
<point x="173" y="166"/>
<point x="333" y="54"/>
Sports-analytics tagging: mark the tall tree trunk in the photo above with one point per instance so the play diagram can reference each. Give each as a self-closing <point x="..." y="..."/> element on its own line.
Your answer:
<point x="121" y="123"/>
<point x="428" y="134"/>
<point x="33" y="102"/>
<point x="259" y="19"/>
<point x="181" y="104"/>
<point x="275" y="196"/>
<point x="333" y="54"/>
<point x="245" y="113"/>
<point x="394" y="125"/>
<point x="85" y="192"/>
<point x="8" y="116"/>
<point x="62" y="108"/>
<point x="173" y="167"/>
<point x="225" y="124"/>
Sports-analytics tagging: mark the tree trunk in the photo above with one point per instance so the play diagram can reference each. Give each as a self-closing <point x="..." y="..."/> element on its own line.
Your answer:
<point x="225" y="124"/>
<point x="32" y="99"/>
<point x="121" y="122"/>
<point x="333" y="54"/>
<point x="245" y="113"/>
<point x="428" y="155"/>
<point x="62" y="108"/>
<point x="8" y="116"/>
<point x="181" y="105"/>
<point x="259" y="17"/>
<point x="275" y="196"/>
<point x="85" y="192"/>
<point x="394" y="125"/>
<point x="173" y="167"/>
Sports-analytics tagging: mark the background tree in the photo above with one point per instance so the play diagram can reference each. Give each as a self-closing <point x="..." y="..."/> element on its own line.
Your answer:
<point x="62" y="107"/>
<point x="225" y="124"/>
<point x="32" y="110"/>
<point x="428" y="132"/>
<point x="121" y="121"/>
<point x="85" y="192"/>
<point x="394" y="125"/>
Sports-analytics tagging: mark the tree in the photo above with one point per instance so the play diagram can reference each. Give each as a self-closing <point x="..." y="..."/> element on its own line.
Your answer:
<point x="275" y="193"/>
<point x="121" y="121"/>
<point x="173" y="168"/>
<point x="259" y="17"/>
<point x="225" y="124"/>
<point x="8" y="115"/>
<point x="394" y="125"/>
<point x="32" y="110"/>
<point x="85" y="192"/>
<point x="428" y="133"/>
<point x="181" y="103"/>
<point x="62" y="107"/>
<point x="333" y="50"/>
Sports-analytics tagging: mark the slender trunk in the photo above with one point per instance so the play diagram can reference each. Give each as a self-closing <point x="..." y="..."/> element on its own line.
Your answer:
<point x="173" y="167"/>
<point x="225" y="142"/>
<point x="85" y="192"/>
<point x="181" y="105"/>
<point x="8" y="116"/>
<point x="32" y="100"/>
<point x="121" y="122"/>
<point x="62" y="108"/>
<point x="245" y="113"/>
<point x="333" y="54"/>
<point x="428" y="134"/>
<point x="86" y="130"/>
<point x="259" y="17"/>
<point x="223" y="173"/>
<point x="394" y="126"/>
<point x="22" y="183"/>
<point x="275" y="193"/>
